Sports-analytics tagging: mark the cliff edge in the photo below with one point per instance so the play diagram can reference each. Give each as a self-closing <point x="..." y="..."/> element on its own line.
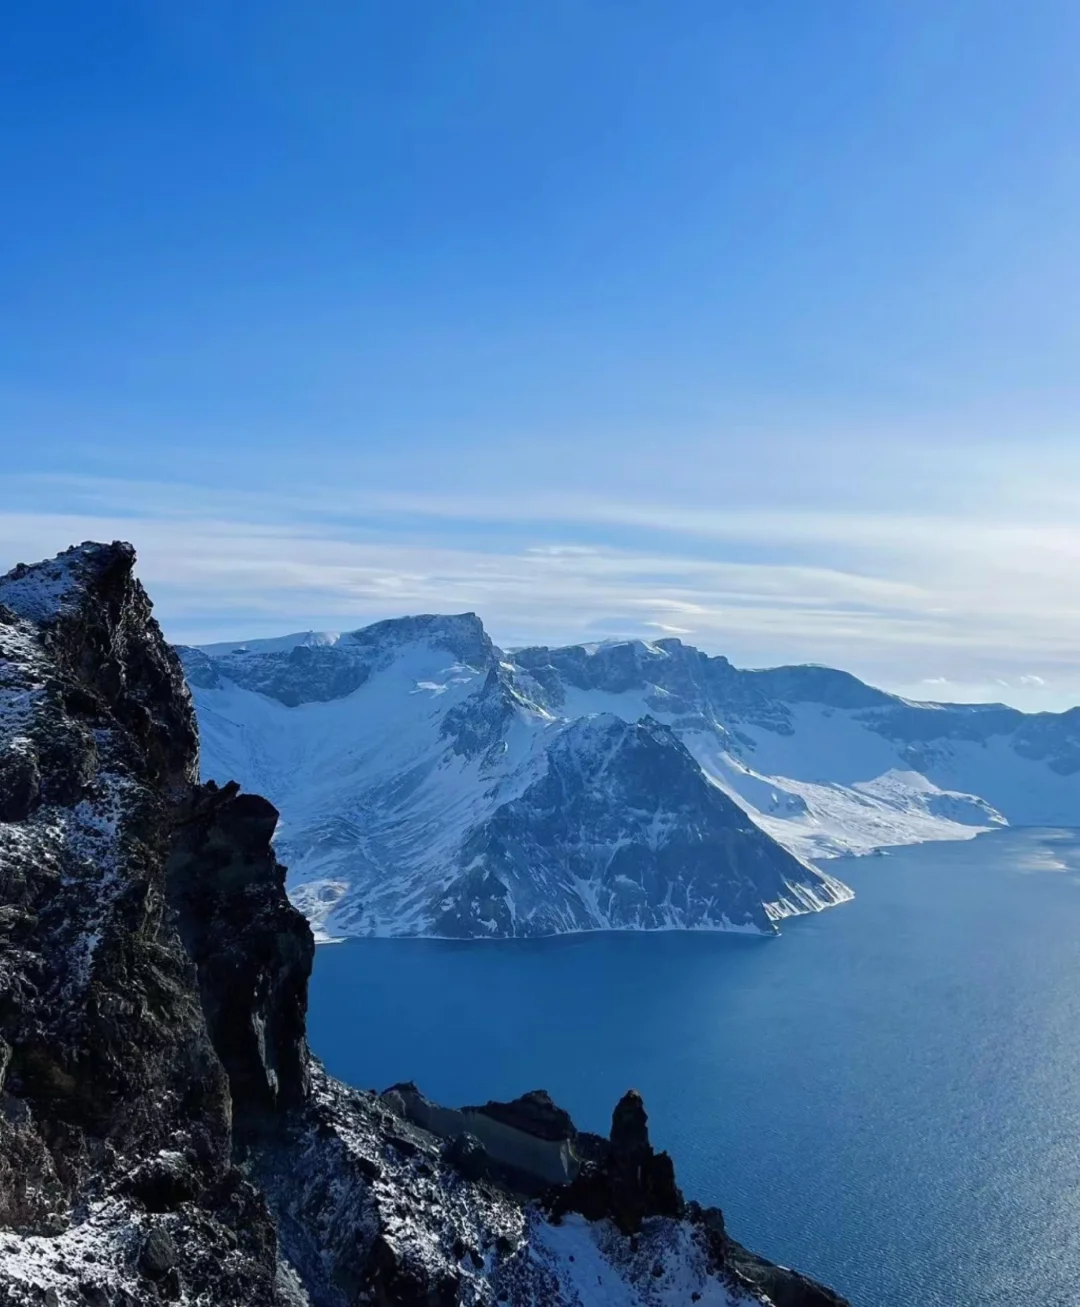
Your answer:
<point x="165" y="1135"/>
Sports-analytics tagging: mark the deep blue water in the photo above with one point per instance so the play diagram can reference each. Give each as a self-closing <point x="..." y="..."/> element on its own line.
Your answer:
<point x="887" y="1096"/>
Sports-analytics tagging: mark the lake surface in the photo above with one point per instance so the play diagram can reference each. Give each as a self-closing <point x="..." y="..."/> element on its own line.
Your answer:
<point x="887" y="1096"/>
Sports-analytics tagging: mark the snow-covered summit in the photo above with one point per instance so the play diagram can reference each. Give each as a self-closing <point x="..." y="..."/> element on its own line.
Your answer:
<point x="272" y="644"/>
<point x="41" y="592"/>
<point x="310" y="668"/>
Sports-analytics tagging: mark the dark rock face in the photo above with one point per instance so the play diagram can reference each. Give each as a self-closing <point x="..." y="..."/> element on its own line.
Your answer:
<point x="477" y="728"/>
<point x="642" y="1181"/>
<point x="630" y="1181"/>
<point x="158" y="1255"/>
<point x="252" y="950"/>
<point x="20" y="784"/>
<point x="109" y="1067"/>
<point x="164" y="1134"/>
<point x="622" y="808"/>
<point x="784" y="1287"/>
<point x="535" y="1114"/>
<point x="94" y="621"/>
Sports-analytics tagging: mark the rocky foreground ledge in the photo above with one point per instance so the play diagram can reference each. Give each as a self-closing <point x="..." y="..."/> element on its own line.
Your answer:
<point x="165" y="1135"/>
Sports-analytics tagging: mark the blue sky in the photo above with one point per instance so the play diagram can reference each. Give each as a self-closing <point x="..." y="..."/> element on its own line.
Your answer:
<point x="756" y="322"/>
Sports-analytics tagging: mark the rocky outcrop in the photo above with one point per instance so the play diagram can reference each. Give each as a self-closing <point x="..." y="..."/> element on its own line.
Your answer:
<point x="165" y="1135"/>
<point x="115" y="1108"/>
<point x="526" y="1145"/>
<point x="253" y="952"/>
<point x="629" y="1181"/>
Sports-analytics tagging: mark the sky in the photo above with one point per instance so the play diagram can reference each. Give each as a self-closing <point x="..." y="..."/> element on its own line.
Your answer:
<point x="754" y="323"/>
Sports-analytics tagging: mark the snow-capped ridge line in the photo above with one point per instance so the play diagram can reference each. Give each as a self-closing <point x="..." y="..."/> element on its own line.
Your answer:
<point x="417" y="767"/>
<point x="428" y="785"/>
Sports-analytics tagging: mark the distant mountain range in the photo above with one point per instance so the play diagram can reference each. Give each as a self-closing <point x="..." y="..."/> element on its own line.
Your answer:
<point x="430" y="783"/>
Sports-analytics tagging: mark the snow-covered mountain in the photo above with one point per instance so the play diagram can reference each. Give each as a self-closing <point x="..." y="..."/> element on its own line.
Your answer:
<point x="430" y="783"/>
<point x="427" y="787"/>
<point x="825" y="763"/>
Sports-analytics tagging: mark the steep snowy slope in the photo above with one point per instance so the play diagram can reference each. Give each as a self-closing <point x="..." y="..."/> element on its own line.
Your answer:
<point x="827" y="764"/>
<point x="425" y="790"/>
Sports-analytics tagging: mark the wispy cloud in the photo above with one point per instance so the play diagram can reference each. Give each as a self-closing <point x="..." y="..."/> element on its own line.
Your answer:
<point x="906" y="600"/>
<point x="668" y="629"/>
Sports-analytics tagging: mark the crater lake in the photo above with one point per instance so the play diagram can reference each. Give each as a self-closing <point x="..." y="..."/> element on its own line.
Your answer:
<point x="886" y="1096"/>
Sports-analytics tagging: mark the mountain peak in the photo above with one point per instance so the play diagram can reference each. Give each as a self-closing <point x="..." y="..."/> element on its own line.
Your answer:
<point x="272" y="644"/>
<point x="41" y="592"/>
<point x="461" y="634"/>
<point x="315" y="667"/>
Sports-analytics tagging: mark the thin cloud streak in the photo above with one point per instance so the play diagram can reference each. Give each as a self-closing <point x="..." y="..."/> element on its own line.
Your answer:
<point x="897" y="599"/>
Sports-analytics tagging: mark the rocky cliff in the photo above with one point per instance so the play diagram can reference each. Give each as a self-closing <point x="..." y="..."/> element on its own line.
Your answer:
<point x="165" y="1135"/>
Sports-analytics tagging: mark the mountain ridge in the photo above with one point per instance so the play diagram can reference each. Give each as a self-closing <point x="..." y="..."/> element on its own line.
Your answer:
<point x="819" y="761"/>
<point x="801" y="674"/>
<point x="413" y="763"/>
